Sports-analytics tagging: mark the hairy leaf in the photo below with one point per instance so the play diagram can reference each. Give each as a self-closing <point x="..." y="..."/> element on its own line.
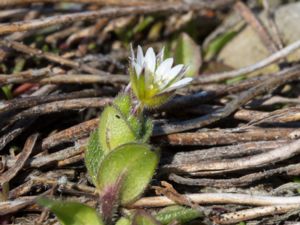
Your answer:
<point x="136" y="162"/>
<point x="72" y="213"/>
<point x="93" y="156"/>
<point x="177" y="213"/>
<point x="114" y="129"/>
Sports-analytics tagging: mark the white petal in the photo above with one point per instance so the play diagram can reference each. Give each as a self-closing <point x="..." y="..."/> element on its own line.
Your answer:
<point x="132" y="57"/>
<point x="179" y="84"/>
<point x="140" y="56"/>
<point x="163" y="68"/>
<point x="148" y="77"/>
<point x="172" y="74"/>
<point x="160" y="56"/>
<point x="150" y="59"/>
<point x="138" y="69"/>
<point x="175" y="71"/>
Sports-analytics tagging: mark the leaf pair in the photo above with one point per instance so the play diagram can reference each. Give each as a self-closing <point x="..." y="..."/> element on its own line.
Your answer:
<point x="119" y="162"/>
<point x="117" y="127"/>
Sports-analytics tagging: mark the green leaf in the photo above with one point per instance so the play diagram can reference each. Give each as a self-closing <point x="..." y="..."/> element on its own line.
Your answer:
<point x="143" y="24"/>
<point x="218" y="43"/>
<point x="187" y="52"/>
<point x="143" y="218"/>
<point x="123" y="103"/>
<point x="178" y="213"/>
<point x="136" y="162"/>
<point x="19" y="64"/>
<point x="93" y="155"/>
<point x="7" y="91"/>
<point x="72" y="213"/>
<point x="155" y="31"/>
<point x="117" y="127"/>
<point x="114" y="129"/>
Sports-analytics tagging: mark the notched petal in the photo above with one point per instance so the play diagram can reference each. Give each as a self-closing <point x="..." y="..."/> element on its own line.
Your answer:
<point x="179" y="84"/>
<point x="150" y="59"/>
<point x="164" y="68"/>
<point x="140" y="56"/>
<point x="175" y="71"/>
<point x="138" y="69"/>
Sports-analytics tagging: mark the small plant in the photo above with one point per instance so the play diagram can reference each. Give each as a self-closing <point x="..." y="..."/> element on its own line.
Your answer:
<point x="119" y="158"/>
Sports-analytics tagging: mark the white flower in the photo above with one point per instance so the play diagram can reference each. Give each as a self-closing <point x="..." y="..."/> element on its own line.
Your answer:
<point x="153" y="79"/>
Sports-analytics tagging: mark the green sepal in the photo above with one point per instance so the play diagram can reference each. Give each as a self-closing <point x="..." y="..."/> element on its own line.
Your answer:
<point x="157" y="100"/>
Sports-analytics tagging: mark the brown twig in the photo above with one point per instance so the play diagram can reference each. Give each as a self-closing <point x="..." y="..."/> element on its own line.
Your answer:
<point x="20" y="190"/>
<point x="221" y="166"/>
<point x="24" y="76"/>
<point x="14" y="132"/>
<point x="205" y="96"/>
<point x="71" y="134"/>
<point x="59" y="106"/>
<point x="285" y="115"/>
<point x="63" y="154"/>
<point x="272" y="24"/>
<point x="106" y="12"/>
<point x="84" y="79"/>
<point x="255" y="23"/>
<point x="257" y="212"/>
<point x="217" y="77"/>
<point x="225" y="152"/>
<point x="267" y="85"/>
<point x="66" y="186"/>
<point x="219" y="198"/>
<point x="50" y="56"/>
<point x="242" y="181"/>
<point x="22" y="158"/>
<point x="225" y="136"/>
<point x="100" y="2"/>
<point x="12" y="12"/>
<point x="16" y="205"/>
<point x="31" y="101"/>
